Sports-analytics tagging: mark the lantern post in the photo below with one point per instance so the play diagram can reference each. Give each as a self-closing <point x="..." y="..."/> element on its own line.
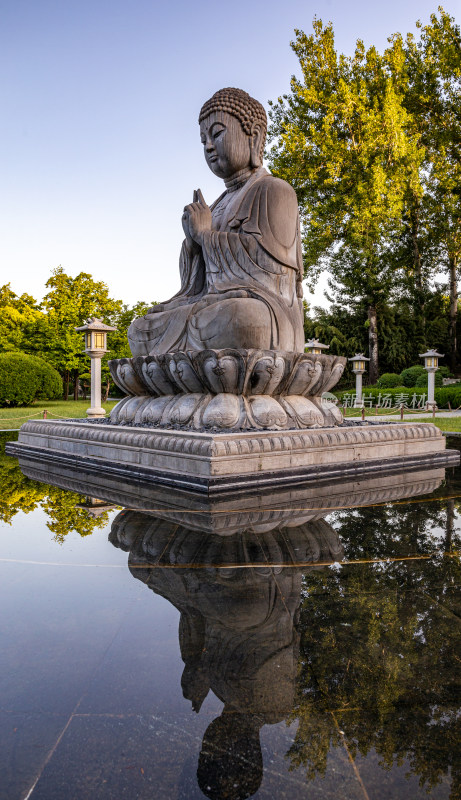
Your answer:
<point x="95" y="346"/>
<point x="431" y="364"/>
<point x="315" y="347"/>
<point x="358" y="368"/>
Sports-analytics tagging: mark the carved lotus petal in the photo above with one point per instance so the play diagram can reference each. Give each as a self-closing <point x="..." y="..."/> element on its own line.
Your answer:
<point x="306" y="373"/>
<point x="182" y="409"/>
<point x="334" y="376"/>
<point x="125" y="376"/>
<point x="127" y="412"/>
<point x="267" y="374"/>
<point x="223" y="411"/>
<point x="117" y="409"/>
<point x="155" y="377"/>
<point x="303" y="410"/>
<point x="151" y="413"/>
<point x="223" y="372"/>
<point x="183" y="373"/>
<point x="267" y="412"/>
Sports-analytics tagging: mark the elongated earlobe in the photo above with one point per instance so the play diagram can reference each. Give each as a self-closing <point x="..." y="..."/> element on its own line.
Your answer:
<point x="256" y="146"/>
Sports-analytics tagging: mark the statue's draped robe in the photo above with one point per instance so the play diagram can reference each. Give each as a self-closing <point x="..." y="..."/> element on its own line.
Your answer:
<point x="249" y="266"/>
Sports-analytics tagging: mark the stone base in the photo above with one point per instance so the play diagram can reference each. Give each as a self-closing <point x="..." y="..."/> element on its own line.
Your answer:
<point x="226" y="514"/>
<point x="228" y="462"/>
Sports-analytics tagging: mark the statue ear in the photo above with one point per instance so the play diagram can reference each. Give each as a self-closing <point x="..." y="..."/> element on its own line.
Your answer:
<point x="256" y="140"/>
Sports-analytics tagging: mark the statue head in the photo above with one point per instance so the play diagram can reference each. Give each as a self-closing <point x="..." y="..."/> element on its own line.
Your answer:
<point x="233" y="129"/>
<point x="230" y="763"/>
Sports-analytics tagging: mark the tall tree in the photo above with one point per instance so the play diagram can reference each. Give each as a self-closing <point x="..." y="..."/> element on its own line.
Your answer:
<point x="430" y="77"/>
<point x="69" y="302"/>
<point x="17" y="314"/>
<point x="341" y="138"/>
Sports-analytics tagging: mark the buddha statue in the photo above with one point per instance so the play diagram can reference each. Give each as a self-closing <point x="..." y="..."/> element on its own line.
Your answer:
<point x="240" y="262"/>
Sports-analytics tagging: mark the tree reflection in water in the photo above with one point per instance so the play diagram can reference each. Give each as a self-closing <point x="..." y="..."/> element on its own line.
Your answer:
<point x="348" y="626"/>
<point x="365" y="654"/>
<point x="19" y="493"/>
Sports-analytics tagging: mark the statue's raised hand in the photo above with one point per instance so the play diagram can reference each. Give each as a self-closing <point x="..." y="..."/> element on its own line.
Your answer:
<point x="197" y="216"/>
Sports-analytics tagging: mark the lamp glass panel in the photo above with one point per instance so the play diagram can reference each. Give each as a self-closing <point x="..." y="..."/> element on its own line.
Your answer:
<point x="361" y="365"/>
<point x="88" y="339"/>
<point x="99" y="341"/>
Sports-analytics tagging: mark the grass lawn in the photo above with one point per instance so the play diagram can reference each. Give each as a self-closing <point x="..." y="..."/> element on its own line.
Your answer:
<point x="444" y="423"/>
<point x="11" y="418"/>
<point x="371" y="412"/>
<point x="14" y="417"/>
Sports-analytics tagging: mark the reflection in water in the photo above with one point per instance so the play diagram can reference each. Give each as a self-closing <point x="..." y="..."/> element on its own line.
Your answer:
<point x="238" y="629"/>
<point x="326" y="623"/>
<point x="273" y="625"/>
<point x="66" y="511"/>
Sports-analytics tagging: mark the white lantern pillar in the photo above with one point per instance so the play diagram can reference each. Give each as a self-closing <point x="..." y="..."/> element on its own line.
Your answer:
<point x="358" y="368"/>
<point x="95" y="346"/>
<point x="431" y="364"/>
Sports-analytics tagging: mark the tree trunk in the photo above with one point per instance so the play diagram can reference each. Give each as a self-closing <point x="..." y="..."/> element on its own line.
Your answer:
<point x="453" y="312"/>
<point x="66" y="385"/>
<point x="76" y="384"/>
<point x="450" y="525"/>
<point x="373" y="343"/>
<point x="420" y="289"/>
<point x="106" y="393"/>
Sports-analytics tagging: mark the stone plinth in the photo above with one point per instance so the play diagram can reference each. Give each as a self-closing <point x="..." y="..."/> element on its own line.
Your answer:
<point x="227" y="462"/>
<point x="223" y="514"/>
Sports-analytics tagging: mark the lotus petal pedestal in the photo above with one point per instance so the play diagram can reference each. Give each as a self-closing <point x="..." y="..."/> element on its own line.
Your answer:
<point x="229" y="390"/>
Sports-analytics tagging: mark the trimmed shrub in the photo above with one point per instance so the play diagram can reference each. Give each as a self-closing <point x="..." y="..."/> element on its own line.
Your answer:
<point x="408" y="377"/>
<point x="24" y="377"/>
<point x="50" y="381"/>
<point x="388" y="380"/>
<point x="422" y="380"/>
<point x="445" y="372"/>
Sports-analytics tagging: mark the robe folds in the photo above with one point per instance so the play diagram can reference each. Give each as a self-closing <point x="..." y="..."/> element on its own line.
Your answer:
<point x="242" y="287"/>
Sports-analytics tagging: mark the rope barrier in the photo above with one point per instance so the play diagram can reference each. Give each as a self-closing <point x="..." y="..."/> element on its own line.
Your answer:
<point x="389" y="411"/>
<point x="11" y="419"/>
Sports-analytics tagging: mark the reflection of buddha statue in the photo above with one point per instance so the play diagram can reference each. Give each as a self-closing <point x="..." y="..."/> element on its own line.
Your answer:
<point x="240" y="263"/>
<point x="238" y="598"/>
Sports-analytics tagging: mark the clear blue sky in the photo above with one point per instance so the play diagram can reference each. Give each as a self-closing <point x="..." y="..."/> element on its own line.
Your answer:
<point x="99" y="136"/>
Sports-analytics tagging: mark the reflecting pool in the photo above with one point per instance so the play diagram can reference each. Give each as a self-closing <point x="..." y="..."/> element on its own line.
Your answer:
<point x="300" y="644"/>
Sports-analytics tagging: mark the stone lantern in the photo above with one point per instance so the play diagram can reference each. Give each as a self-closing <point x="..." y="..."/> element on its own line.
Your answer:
<point x="358" y="368"/>
<point x="431" y="364"/>
<point x="315" y="347"/>
<point x="96" y="346"/>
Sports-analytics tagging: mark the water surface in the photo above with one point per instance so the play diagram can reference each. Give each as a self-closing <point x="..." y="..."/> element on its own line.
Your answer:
<point x="302" y="644"/>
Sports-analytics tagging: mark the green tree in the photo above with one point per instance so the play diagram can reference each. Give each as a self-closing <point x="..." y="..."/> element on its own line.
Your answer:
<point x="69" y="302"/>
<point x="342" y="138"/>
<point x="429" y="74"/>
<point x="17" y="314"/>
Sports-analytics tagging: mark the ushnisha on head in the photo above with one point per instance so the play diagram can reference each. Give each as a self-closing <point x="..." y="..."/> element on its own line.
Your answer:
<point x="233" y="129"/>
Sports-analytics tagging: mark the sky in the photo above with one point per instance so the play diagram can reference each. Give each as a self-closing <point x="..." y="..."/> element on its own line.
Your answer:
<point x="99" y="140"/>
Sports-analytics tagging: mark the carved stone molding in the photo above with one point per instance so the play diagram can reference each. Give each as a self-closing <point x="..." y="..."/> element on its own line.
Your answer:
<point x="223" y="462"/>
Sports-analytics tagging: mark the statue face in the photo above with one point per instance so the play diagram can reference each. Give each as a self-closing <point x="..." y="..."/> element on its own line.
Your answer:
<point x="226" y="145"/>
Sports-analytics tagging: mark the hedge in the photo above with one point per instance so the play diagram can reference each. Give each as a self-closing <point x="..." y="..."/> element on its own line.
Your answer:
<point x="409" y="376"/>
<point x="443" y="395"/>
<point x="23" y="378"/>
